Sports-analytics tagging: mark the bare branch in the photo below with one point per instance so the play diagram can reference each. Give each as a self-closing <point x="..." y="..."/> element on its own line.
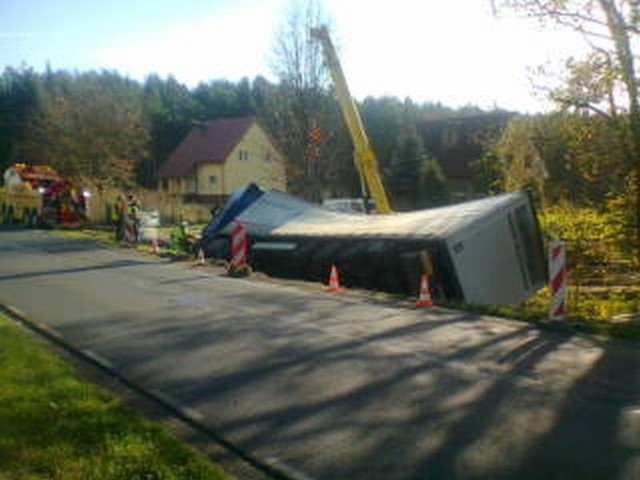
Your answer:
<point x="572" y="102"/>
<point x="545" y="10"/>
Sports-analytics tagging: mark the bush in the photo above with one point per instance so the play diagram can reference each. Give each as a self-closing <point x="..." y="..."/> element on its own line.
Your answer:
<point x="598" y="242"/>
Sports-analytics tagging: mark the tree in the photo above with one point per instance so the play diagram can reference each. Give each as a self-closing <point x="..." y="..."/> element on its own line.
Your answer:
<point x="610" y="28"/>
<point x="301" y="103"/>
<point x="405" y="175"/>
<point x="223" y="98"/>
<point x="417" y="179"/>
<point x="88" y="125"/>
<point x="297" y="59"/>
<point x="487" y="173"/>
<point x="565" y="158"/>
<point x="518" y="154"/>
<point x="432" y="188"/>
<point x="169" y="110"/>
<point x="20" y="99"/>
<point x="385" y="119"/>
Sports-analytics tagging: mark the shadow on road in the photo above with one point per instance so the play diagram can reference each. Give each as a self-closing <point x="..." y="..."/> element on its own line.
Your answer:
<point x="66" y="271"/>
<point x="338" y="393"/>
<point x="44" y="241"/>
<point x="599" y="418"/>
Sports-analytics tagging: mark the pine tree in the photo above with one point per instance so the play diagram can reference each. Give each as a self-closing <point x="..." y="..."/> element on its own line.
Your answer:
<point x="433" y="190"/>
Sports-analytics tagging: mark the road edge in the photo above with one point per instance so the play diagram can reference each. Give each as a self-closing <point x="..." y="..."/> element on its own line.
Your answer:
<point x="102" y="372"/>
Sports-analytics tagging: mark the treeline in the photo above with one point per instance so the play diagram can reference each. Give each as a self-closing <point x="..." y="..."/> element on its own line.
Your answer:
<point x="566" y="158"/>
<point x="103" y="126"/>
<point x="116" y="131"/>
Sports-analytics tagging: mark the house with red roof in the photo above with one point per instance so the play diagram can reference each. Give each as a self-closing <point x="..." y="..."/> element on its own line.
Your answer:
<point x="220" y="156"/>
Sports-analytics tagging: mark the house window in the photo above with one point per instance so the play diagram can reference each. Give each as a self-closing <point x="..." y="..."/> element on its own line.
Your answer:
<point x="243" y="154"/>
<point x="213" y="181"/>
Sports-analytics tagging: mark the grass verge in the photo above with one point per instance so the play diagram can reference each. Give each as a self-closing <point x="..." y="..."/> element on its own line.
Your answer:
<point x="596" y="311"/>
<point x="104" y="237"/>
<point x="55" y="426"/>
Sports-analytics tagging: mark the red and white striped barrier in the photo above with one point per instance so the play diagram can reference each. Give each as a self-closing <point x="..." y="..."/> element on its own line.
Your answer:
<point x="558" y="279"/>
<point x="238" y="245"/>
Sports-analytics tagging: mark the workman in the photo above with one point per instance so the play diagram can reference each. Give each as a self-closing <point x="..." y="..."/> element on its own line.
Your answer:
<point x="119" y="211"/>
<point x="133" y="207"/>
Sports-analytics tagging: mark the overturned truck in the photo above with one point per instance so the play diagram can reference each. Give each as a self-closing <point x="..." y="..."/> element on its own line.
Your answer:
<point x="487" y="251"/>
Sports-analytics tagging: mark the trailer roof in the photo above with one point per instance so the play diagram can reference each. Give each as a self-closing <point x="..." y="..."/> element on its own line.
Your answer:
<point x="279" y="214"/>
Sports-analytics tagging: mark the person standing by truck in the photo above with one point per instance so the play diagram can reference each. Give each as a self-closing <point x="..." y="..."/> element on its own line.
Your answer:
<point x="133" y="210"/>
<point x="119" y="211"/>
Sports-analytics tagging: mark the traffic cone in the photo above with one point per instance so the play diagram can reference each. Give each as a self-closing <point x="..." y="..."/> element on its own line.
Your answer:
<point x="334" y="281"/>
<point x="424" y="299"/>
<point x="200" y="260"/>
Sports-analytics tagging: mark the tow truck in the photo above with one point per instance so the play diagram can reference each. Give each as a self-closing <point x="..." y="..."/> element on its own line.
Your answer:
<point x="39" y="196"/>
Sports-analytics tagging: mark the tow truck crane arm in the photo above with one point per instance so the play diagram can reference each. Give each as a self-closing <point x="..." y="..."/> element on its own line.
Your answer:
<point x="364" y="157"/>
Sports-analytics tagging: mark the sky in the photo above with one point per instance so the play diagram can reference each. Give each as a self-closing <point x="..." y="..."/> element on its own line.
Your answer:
<point x="453" y="52"/>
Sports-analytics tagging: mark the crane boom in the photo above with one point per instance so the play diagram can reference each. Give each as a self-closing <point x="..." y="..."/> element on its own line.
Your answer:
<point x="364" y="156"/>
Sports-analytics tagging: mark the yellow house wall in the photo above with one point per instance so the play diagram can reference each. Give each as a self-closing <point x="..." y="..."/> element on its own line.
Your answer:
<point x="205" y="172"/>
<point x="264" y="165"/>
<point x="178" y="186"/>
<point x="175" y="186"/>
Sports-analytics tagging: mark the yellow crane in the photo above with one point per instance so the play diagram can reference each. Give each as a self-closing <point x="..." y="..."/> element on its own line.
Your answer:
<point x="364" y="156"/>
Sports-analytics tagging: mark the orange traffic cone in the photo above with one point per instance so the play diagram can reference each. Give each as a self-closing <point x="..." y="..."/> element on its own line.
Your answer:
<point x="424" y="299"/>
<point x="334" y="281"/>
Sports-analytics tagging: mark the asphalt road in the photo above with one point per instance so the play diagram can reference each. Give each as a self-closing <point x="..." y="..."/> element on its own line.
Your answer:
<point x="340" y="386"/>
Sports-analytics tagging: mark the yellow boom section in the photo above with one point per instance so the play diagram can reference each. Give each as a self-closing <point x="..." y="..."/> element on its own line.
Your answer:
<point x="364" y="157"/>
